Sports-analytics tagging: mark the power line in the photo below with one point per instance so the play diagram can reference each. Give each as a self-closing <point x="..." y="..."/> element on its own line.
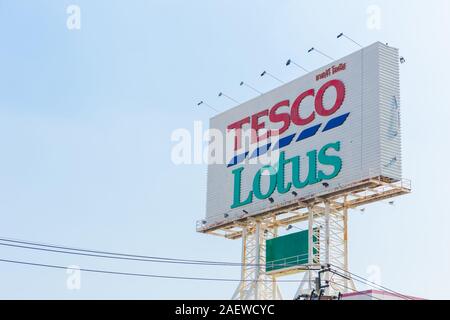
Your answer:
<point x="126" y="258"/>
<point x="108" y="252"/>
<point x="346" y="287"/>
<point x="23" y="244"/>
<point x="372" y="284"/>
<point x="121" y="256"/>
<point x="99" y="255"/>
<point x="146" y="275"/>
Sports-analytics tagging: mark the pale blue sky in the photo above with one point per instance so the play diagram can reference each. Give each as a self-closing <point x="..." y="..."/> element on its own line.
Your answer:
<point x="86" y="118"/>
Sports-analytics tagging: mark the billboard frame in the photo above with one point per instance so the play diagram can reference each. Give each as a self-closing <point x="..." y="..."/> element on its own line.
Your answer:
<point x="357" y="194"/>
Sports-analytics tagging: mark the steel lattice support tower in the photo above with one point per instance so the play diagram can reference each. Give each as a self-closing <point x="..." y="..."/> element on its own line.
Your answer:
<point x="328" y="245"/>
<point x="327" y="219"/>
<point x="255" y="283"/>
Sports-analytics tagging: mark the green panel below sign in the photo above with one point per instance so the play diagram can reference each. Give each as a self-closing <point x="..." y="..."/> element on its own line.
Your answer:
<point x="287" y="251"/>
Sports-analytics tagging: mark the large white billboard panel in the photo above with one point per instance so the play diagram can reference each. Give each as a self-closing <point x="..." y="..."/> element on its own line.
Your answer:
<point x="317" y="134"/>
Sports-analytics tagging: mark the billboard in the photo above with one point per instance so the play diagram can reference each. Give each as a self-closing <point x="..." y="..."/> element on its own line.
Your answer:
<point x="315" y="135"/>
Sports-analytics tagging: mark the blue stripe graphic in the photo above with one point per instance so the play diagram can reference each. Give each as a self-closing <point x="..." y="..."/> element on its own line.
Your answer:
<point x="284" y="142"/>
<point x="260" y="151"/>
<point x="336" y="122"/>
<point x="238" y="159"/>
<point x="308" y="133"/>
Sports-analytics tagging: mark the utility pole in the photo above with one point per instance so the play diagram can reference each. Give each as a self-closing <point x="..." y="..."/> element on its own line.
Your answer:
<point x="319" y="289"/>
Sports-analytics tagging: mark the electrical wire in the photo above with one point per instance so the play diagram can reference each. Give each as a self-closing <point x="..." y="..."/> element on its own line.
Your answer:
<point x="372" y="284"/>
<point x="349" y="288"/>
<point x="146" y="275"/>
<point x="135" y="259"/>
<point x="40" y="244"/>
<point x="123" y="256"/>
<point x="106" y="256"/>
<point x="23" y="244"/>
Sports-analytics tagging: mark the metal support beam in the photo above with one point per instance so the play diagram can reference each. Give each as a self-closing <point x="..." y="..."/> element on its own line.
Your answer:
<point x="255" y="283"/>
<point x="327" y="259"/>
<point x="328" y="244"/>
<point x="346" y="282"/>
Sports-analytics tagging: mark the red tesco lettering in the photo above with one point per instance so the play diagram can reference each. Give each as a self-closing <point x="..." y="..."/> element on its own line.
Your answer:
<point x="280" y="113"/>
